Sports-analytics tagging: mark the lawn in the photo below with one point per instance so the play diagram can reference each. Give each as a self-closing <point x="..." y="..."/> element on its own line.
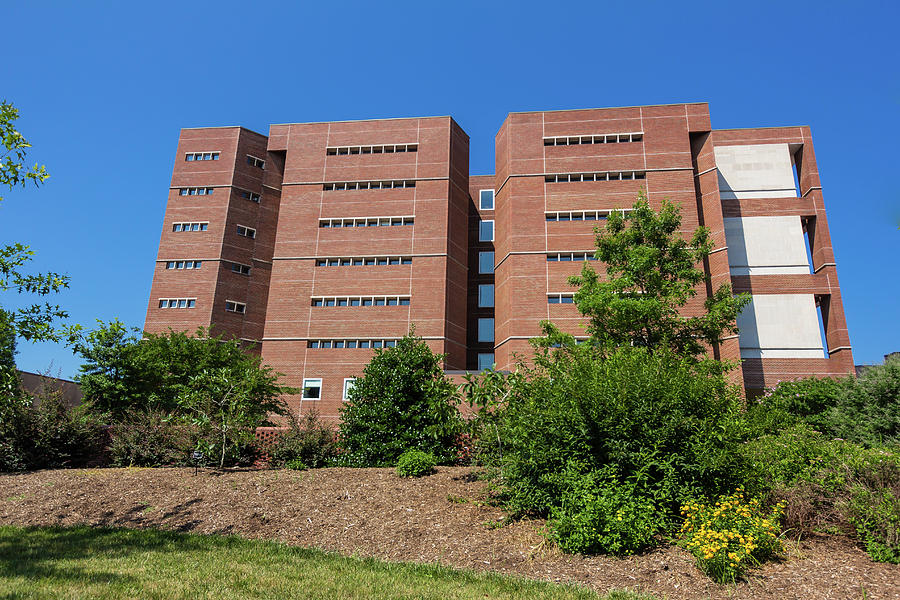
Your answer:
<point x="85" y="562"/>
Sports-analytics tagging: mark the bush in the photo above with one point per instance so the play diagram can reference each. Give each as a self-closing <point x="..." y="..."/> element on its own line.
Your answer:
<point x="309" y="442"/>
<point x="728" y="538"/>
<point x="670" y="426"/>
<point x="295" y="464"/>
<point x="402" y="402"/>
<point x="792" y="402"/>
<point x="832" y="485"/>
<point x="43" y="432"/>
<point x="415" y="463"/>
<point x="150" y="439"/>
<point x="600" y="514"/>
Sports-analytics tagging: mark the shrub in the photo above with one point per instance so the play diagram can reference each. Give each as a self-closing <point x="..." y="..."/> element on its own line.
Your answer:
<point x="295" y="464"/>
<point x="599" y="513"/>
<point x="671" y="426"/>
<point x="402" y="402"/>
<point x="43" y="432"/>
<point x="792" y="402"/>
<point x="309" y="442"/>
<point x="832" y="484"/>
<point x="150" y="439"/>
<point x="729" y="537"/>
<point x="415" y="463"/>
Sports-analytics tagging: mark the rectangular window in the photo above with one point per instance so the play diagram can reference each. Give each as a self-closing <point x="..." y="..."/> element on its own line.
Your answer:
<point x="251" y="196"/>
<point x="485" y="360"/>
<point x="318" y="344"/>
<point x="177" y="302"/>
<point x="198" y="191"/>
<point x="256" y="162"/>
<point x="183" y="264"/>
<point x="485" y="330"/>
<point x="486" y="199"/>
<point x="312" y="389"/>
<point x="189" y="226"/>
<point x="486" y="231"/>
<point x="377" y="149"/>
<point x="235" y="307"/>
<point x="602" y="138"/>
<point x="560" y="298"/>
<point x="364" y="261"/>
<point x="341" y="301"/>
<point x="246" y="231"/>
<point x="366" y="222"/>
<point x="341" y="186"/>
<point x="485" y="295"/>
<point x="348" y="384"/>
<point x="193" y="156"/>
<point x="485" y="262"/>
<point x="239" y="268"/>
<point x="600" y="176"/>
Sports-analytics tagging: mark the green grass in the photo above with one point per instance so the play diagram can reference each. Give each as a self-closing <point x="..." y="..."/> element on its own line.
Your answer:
<point x="84" y="562"/>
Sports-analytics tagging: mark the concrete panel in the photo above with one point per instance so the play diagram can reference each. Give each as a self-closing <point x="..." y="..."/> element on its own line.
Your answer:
<point x="755" y="171"/>
<point x="766" y="246"/>
<point x="780" y="326"/>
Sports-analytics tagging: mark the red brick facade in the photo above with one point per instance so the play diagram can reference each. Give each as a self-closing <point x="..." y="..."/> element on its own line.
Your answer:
<point x="365" y="228"/>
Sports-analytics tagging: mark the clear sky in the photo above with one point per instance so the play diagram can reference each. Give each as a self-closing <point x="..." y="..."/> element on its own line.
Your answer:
<point x="104" y="87"/>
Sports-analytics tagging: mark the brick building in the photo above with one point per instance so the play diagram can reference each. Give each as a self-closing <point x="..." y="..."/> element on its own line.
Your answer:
<point x="323" y="241"/>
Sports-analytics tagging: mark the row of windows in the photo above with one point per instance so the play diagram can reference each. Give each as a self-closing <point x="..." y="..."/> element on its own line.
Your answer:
<point x="183" y="264"/>
<point x="367" y="185"/>
<point x="367" y="261"/>
<point x="192" y="156"/>
<point x="560" y="299"/>
<point x="177" y="302"/>
<point x="608" y="138"/>
<point x="582" y="215"/>
<point x="251" y="196"/>
<point x="196" y="191"/>
<point x="235" y="307"/>
<point x="366" y="222"/>
<point x="570" y="256"/>
<point x="351" y="343"/>
<point x="379" y="149"/>
<point x="256" y="162"/>
<point x="361" y="301"/>
<point x="604" y="176"/>
<point x="190" y="226"/>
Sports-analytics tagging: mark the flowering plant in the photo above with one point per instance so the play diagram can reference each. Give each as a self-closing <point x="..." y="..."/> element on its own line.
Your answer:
<point x="730" y="536"/>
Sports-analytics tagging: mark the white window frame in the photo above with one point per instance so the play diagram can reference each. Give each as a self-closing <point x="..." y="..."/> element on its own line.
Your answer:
<point x="214" y="156"/>
<point x="481" y="225"/>
<point x="188" y="303"/>
<point x="254" y="161"/>
<point x="241" y="269"/>
<point x="346" y="389"/>
<point x="481" y="199"/>
<point x="247" y="230"/>
<point x="236" y="304"/>
<point x="201" y="226"/>
<point x="311" y="382"/>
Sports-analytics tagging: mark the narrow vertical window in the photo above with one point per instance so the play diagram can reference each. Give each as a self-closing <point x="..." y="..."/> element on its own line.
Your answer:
<point x="485" y="295"/>
<point x="486" y="200"/>
<point x="485" y="330"/>
<point x="486" y="231"/>
<point x="485" y="262"/>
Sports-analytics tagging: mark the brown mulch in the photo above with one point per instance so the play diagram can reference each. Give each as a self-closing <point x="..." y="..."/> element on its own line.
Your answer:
<point x="372" y="512"/>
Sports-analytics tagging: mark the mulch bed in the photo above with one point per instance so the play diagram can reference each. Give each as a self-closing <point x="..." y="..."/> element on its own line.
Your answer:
<point x="372" y="512"/>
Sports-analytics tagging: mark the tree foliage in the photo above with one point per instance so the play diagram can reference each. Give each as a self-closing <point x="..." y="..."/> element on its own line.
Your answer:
<point x="651" y="274"/>
<point x="402" y="402"/>
<point x="39" y="321"/>
<point x="122" y="372"/>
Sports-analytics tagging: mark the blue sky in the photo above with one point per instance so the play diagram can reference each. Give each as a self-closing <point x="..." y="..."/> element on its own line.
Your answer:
<point x="103" y="89"/>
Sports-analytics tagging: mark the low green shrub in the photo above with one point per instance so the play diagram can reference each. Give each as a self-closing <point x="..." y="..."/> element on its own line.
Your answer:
<point x="309" y="442"/>
<point x="600" y="514"/>
<point x="150" y="439"/>
<point x="415" y="463"/>
<point x="296" y="464"/>
<point x="829" y="484"/>
<point x="729" y="537"/>
<point x="44" y="432"/>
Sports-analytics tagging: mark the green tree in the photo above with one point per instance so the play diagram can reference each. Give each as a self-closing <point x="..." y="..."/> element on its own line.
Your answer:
<point x="651" y="273"/>
<point x="39" y="321"/>
<point x="402" y="402"/>
<point x="122" y="372"/>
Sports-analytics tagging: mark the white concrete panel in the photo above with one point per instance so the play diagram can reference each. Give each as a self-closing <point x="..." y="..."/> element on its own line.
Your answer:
<point x="755" y="171"/>
<point x="766" y="246"/>
<point x="780" y="326"/>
